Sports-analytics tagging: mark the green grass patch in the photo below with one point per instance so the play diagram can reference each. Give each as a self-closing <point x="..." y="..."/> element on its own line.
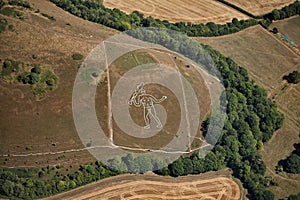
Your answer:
<point x="89" y="75"/>
<point x="145" y="59"/>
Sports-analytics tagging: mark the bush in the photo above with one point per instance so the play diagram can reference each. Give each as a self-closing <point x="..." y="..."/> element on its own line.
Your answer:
<point x="3" y="24"/>
<point x="275" y="30"/>
<point x="77" y="56"/>
<point x="36" y="70"/>
<point x="49" y="17"/>
<point x="24" y="4"/>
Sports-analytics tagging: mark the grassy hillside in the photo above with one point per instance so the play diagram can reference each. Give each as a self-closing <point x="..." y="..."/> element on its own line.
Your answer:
<point x="50" y="37"/>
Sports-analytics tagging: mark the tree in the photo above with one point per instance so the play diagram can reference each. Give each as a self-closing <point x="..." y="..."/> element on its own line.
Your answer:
<point x="292" y="164"/>
<point x="118" y="164"/>
<point x="8" y="188"/>
<point x="144" y="163"/>
<point x="275" y="30"/>
<point x="176" y="168"/>
<point x="294" y="197"/>
<point x="293" y="77"/>
<point x="264" y="195"/>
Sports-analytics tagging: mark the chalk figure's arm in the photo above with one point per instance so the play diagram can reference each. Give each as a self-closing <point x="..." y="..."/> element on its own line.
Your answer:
<point x="155" y="100"/>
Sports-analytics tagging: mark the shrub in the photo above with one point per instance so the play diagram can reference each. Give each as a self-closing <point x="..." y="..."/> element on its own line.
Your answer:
<point x="49" y="17"/>
<point x="36" y="70"/>
<point x="77" y="56"/>
<point x="3" y="24"/>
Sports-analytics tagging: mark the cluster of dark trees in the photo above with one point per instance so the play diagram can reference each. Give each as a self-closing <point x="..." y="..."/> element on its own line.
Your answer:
<point x="292" y="163"/>
<point x="285" y="12"/>
<point x="294" y="197"/>
<point x="40" y="80"/>
<point x="30" y="183"/>
<point x="21" y="3"/>
<point x="293" y="77"/>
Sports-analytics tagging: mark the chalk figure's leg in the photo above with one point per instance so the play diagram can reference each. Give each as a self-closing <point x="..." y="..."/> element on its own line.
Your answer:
<point x="147" y="118"/>
<point x="154" y="115"/>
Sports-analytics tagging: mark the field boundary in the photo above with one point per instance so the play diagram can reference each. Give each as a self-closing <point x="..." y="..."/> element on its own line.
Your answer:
<point x="239" y="9"/>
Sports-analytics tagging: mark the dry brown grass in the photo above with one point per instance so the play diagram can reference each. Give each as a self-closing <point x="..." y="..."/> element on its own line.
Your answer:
<point x="258" y="7"/>
<point x="265" y="57"/>
<point x="205" y="186"/>
<point x="179" y="10"/>
<point x="290" y="28"/>
<point x="26" y="122"/>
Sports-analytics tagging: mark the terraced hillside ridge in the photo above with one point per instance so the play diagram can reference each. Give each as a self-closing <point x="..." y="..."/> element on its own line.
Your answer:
<point x="158" y="188"/>
<point x="179" y="10"/>
<point x="258" y="7"/>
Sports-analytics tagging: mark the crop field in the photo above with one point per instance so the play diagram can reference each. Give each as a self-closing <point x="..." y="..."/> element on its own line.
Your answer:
<point x="265" y="57"/>
<point x="154" y="187"/>
<point x="267" y="60"/>
<point x="257" y="7"/>
<point x="290" y="28"/>
<point x="179" y="10"/>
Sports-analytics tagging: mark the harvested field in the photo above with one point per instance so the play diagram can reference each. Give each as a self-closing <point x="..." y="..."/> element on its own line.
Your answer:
<point x="179" y="10"/>
<point x="257" y="7"/>
<point x="155" y="187"/>
<point x="290" y="28"/>
<point x="265" y="57"/>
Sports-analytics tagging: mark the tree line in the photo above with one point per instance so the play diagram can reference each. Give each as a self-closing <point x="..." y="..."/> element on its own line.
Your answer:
<point x="95" y="11"/>
<point x="279" y="14"/>
<point x="32" y="183"/>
